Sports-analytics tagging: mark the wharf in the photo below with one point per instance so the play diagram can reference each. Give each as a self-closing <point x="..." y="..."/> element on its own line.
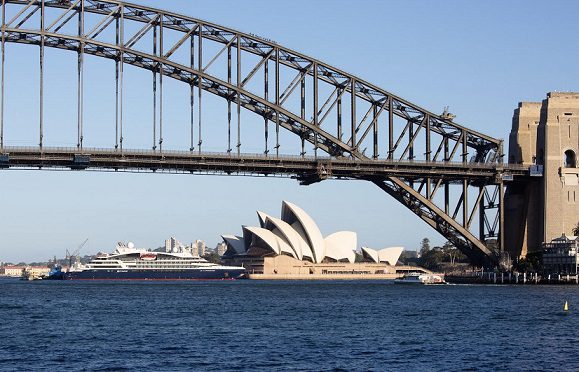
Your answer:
<point x="351" y="276"/>
<point x="511" y="278"/>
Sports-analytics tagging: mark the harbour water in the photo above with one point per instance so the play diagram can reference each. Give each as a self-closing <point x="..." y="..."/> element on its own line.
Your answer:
<point x="286" y="325"/>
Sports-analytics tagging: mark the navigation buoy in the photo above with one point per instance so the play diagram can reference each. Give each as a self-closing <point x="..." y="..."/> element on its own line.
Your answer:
<point x="566" y="307"/>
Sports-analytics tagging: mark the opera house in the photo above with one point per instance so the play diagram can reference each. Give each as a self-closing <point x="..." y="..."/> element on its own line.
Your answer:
<point x="293" y="247"/>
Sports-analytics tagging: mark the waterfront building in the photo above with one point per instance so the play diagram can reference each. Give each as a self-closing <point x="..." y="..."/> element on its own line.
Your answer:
<point x="293" y="247"/>
<point x="18" y="271"/>
<point x="295" y="234"/>
<point x="35" y="272"/>
<point x="560" y="255"/>
<point x="12" y="270"/>
<point x="38" y="270"/>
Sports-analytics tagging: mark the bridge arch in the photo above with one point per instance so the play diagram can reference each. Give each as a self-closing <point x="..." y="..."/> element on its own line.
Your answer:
<point x="346" y="139"/>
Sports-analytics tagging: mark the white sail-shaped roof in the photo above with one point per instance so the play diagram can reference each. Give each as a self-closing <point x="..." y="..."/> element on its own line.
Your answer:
<point x="341" y="245"/>
<point x="297" y="235"/>
<point x="262" y="217"/>
<point x="235" y="244"/>
<point x="295" y="240"/>
<point x="260" y="237"/>
<point x="389" y="255"/>
<point x="370" y="254"/>
<point x="294" y="215"/>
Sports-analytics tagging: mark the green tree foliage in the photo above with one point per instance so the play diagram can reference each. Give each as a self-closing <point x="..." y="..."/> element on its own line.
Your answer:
<point x="532" y="263"/>
<point x="212" y="257"/>
<point x="454" y="255"/>
<point x="432" y="259"/>
<point x="438" y="258"/>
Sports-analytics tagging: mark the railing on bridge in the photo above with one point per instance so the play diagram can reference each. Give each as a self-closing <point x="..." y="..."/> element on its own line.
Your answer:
<point x="283" y="165"/>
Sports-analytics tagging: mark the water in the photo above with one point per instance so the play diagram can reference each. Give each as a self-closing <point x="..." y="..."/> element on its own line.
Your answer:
<point x="286" y="325"/>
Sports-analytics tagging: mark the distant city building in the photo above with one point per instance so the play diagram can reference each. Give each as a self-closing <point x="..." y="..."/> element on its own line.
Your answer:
<point x="200" y="245"/>
<point x="561" y="255"/>
<point x="197" y="248"/>
<point x="172" y="245"/>
<point x="17" y="271"/>
<point x="194" y="250"/>
<point x="12" y="271"/>
<point x="220" y="249"/>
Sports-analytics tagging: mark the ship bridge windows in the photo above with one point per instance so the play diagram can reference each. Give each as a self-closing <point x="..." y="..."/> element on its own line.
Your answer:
<point x="570" y="159"/>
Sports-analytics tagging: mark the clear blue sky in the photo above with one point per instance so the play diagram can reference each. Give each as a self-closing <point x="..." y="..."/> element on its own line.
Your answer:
<point x="478" y="57"/>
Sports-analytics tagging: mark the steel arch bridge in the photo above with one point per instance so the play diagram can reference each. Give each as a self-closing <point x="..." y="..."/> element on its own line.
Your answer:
<point x="345" y="127"/>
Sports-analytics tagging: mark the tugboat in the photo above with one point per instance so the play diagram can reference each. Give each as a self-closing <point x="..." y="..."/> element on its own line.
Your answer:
<point x="55" y="273"/>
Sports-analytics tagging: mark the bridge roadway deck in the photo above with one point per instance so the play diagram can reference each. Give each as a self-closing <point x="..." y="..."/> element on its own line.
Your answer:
<point x="248" y="164"/>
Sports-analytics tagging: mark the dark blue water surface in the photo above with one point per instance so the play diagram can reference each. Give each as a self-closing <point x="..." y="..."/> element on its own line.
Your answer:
<point x="286" y="325"/>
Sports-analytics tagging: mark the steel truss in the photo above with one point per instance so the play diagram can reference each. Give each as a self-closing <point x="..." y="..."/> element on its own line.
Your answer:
<point x="328" y="109"/>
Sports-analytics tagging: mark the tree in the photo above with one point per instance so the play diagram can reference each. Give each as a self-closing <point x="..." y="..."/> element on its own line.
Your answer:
<point x="212" y="257"/>
<point x="533" y="262"/>
<point x="453" y="253"/>
<point x="424" y="246"/>
<point x="576" y="230"/>
<point x="432" y="259"/>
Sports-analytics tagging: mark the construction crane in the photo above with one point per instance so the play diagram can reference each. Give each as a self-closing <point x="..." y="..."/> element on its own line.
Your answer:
<point x="70" y="256"/>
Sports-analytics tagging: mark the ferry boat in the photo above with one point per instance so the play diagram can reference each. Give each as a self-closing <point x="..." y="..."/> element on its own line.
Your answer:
<point x="129" y="263"/>
<point x="420" y="278"/>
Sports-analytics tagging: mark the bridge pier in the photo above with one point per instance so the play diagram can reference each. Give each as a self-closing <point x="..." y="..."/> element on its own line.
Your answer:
<point x="544" y="135"/>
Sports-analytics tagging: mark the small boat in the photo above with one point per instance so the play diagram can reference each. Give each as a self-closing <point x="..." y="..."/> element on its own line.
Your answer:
<point x="420" y="278"/>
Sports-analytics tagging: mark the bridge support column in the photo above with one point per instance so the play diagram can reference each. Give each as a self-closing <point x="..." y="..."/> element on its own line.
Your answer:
<point x="41" y="84"/>
<point x="501" y="212"/>
<point x="80" y="77"/>
<point x="2" y="76"/>
<point x="545" y="135"/>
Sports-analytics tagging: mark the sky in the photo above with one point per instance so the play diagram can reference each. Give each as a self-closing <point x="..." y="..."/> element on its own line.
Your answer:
<point x="479" y="58"/>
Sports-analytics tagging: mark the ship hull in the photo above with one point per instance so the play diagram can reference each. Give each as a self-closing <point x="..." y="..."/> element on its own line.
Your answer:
<point x="191" y="274"/>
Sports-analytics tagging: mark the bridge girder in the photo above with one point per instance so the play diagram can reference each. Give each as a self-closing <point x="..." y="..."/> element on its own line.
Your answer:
<point x="384" y="117"/>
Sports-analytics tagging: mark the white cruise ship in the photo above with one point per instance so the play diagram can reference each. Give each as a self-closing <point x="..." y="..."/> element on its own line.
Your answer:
<point x="130" y="263"/>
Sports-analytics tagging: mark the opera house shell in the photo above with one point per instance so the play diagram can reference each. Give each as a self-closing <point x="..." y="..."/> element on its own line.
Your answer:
<point x="296" y="235"/>
<point x="386" y="255"/>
